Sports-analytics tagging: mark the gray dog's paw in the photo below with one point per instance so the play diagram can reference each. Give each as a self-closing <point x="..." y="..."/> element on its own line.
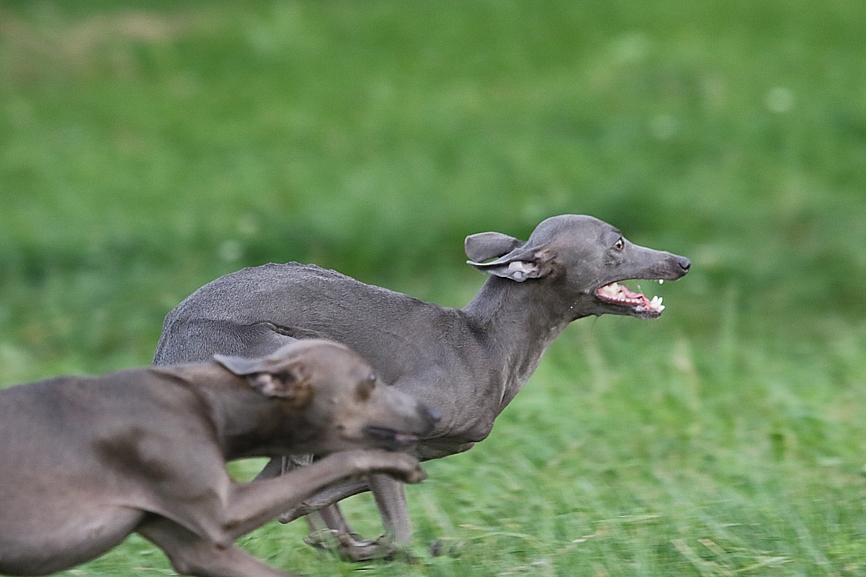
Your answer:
<point x="440" y="548"/>
<point x="352" y="547"/>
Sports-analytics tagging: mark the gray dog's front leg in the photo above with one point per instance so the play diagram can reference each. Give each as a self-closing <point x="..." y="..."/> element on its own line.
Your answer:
<point x="391" y="501"/>
<point x="390" y="496"/>
<point x="327" y="523"/>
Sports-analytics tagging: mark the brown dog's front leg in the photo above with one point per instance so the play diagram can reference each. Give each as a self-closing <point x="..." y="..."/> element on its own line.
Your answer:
<point x="329" y="496"/>
<point x="251" y="505"/>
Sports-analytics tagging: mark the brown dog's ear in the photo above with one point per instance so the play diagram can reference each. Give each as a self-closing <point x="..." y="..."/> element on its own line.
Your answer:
<point x="288" y="381"/>
<point x="288" y="384"/>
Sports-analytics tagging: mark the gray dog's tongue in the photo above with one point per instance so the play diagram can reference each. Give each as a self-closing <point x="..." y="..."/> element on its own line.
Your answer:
<point x="616" y="292"/>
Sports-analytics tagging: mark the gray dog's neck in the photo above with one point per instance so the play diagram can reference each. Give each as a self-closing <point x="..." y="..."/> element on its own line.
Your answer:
<point x="517" y="323"/>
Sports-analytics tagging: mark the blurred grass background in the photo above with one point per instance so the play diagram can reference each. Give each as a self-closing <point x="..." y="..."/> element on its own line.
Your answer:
<point x="148" y="147"/>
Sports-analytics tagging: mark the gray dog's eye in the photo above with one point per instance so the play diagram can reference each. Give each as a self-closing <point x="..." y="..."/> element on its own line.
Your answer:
<point x="620" y="244"/>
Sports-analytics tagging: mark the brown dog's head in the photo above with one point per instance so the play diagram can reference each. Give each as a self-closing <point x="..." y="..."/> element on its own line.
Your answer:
<point x="337" y="396"/>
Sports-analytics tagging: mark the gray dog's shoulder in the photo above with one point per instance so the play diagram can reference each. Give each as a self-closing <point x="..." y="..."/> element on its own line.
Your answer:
<point x="290" y="272"/>
<point x="304" y="278"/>
<point x="278" y="291"/>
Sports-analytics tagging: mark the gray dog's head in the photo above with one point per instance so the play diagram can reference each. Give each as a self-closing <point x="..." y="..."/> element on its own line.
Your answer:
<point x="586" y="257"/>
<point x="336" y="392"/>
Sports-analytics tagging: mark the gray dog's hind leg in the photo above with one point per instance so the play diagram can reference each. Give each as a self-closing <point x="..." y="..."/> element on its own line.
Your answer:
<point x="330" y="530"/>
<point x="321" y="500"/>
<point x="274" y="468"/>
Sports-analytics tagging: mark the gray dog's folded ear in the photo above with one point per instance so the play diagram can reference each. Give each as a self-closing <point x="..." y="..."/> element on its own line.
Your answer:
<point x="241" y="366"/>
<point x="516" y="261"/>
<point x="287" y="381"/>
<point x="487" y="245"/>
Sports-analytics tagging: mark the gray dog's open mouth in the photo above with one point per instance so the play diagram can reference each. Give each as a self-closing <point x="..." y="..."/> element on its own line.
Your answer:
<point x="621" y="295"/>
<point x="392" y="438"/>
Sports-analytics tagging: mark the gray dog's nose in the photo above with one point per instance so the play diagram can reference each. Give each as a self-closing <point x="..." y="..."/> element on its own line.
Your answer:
<point x="684" y="263"/>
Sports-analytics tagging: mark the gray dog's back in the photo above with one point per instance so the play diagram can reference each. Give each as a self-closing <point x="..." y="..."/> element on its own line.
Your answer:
<point x="256" y="310"/>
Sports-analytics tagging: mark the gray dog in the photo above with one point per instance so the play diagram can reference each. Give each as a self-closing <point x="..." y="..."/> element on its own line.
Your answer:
<point x="85" y="461"/>
<point x="467" y="364"/>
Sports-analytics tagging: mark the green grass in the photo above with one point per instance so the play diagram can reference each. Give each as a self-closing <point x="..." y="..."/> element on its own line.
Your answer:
<point x="148" y="147"/>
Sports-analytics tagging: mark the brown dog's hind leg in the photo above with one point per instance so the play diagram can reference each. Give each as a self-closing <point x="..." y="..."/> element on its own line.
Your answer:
<point x="192" y="555"/>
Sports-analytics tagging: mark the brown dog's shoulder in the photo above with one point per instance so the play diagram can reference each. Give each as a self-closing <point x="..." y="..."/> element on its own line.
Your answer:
<point x="187" y="373"/>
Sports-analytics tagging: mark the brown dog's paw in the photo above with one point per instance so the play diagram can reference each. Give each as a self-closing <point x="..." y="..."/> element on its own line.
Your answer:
<point x="406" y="468"/>
<point x="401" y="466"/>
<point x="415" y="475"/>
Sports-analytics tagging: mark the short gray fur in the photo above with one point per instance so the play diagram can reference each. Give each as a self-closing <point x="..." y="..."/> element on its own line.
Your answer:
<point x="467" y="364"/>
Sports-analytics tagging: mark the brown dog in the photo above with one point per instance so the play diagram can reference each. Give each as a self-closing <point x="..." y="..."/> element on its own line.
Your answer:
<point x="85" y="461"/>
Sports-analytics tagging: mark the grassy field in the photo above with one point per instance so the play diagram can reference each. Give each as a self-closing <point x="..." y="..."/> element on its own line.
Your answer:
<point x="148" y="147"/>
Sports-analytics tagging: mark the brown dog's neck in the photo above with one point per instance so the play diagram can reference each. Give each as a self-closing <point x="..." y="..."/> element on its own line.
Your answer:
<point x="245" y="422"/>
